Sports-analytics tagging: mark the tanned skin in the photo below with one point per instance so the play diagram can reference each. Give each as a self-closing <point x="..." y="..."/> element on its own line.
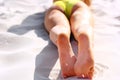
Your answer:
<point x="80" y="25"/>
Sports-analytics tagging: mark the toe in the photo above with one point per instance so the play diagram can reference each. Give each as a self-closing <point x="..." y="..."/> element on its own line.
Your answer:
<point x="80" y="75"/>
<point x="64" y="76"/>
<point x="90" y="75"/>
<point x="85" y="76"/>
<point x="91" y="69"/>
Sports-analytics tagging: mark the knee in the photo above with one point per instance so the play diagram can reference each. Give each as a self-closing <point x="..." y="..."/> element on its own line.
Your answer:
<point x="58" y="31"/>
<point x="86" y="30"/>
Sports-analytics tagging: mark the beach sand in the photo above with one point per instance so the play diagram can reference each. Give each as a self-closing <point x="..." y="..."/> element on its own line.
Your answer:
<point x="26" y="53"/>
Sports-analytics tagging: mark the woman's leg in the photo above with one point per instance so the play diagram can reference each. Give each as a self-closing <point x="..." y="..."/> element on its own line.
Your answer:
<point x="58" y="27"/>
<point x="87" y="2"/>
<point x="82" y="29"/>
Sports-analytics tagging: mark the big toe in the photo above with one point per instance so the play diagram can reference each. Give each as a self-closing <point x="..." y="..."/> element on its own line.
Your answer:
<point x="91" y="72"/>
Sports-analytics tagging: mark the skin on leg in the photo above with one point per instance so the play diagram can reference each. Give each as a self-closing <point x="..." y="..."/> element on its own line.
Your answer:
<point x="87" y="2"/>
<point x="58" y="28"/>
<point x="82" y="29"/>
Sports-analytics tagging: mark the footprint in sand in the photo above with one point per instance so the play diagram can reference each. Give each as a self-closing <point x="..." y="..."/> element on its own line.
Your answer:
<point x="99" y="70"/>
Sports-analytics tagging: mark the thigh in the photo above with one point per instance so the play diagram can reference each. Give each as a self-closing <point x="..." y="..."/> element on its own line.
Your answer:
<point x="55" y="16"/>
<point x="81" y="15"/>
<point x="81" y="19"/>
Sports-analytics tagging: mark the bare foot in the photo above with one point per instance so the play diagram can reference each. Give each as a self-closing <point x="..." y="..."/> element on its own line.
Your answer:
<point x="66" y="55"/>
<point x="84" y="66"/>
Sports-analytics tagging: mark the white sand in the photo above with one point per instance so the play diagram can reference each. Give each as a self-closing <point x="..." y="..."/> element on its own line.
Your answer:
<point x="26" y="52"/>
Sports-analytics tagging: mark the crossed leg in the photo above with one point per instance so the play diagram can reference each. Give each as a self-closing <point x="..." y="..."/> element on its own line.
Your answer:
<point x="82" y="29"/>
<point x="58" y="27"/>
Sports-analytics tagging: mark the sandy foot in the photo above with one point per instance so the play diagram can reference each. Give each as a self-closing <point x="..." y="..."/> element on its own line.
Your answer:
<point x="84" y="66"/>
<point x="66" y="55"/>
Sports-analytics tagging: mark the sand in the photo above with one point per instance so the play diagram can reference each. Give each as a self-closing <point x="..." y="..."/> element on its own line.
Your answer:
<point x="26" y="53"/>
